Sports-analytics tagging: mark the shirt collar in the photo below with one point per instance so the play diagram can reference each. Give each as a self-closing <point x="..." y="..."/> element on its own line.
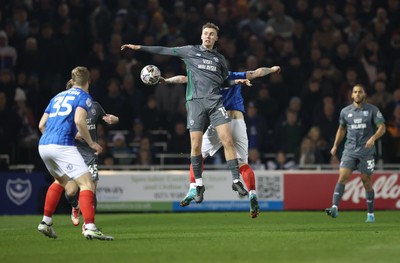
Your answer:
<point x="355" y="108"/>
<point x="205" y="49"/>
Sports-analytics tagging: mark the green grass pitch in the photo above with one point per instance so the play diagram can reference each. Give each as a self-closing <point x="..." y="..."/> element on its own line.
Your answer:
<point x="208" y="237"/>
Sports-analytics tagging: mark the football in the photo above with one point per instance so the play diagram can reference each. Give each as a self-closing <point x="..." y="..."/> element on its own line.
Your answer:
<point x="150" y="75"/>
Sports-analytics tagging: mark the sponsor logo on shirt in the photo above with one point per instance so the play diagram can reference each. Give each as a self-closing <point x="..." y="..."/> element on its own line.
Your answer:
<point x="358" y="124"/>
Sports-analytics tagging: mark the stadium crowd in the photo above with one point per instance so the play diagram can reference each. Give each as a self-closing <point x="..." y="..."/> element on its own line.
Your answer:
<point x="324" y="48"/>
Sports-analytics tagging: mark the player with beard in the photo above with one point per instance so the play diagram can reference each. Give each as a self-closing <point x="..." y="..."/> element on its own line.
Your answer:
<point x="362" y="124"/>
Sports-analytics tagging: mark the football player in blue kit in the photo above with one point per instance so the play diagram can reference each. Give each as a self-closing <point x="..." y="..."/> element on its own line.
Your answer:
<point x="63" y="118"/>
<point x="95" y="114"/>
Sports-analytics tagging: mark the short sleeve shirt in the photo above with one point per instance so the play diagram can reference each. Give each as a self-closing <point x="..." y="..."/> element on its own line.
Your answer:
<point x="361" y="123"/>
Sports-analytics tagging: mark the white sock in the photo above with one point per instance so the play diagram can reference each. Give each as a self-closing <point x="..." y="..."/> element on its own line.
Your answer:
<point x="199" y="182"/>
<point x="192" y="185"/>
<point x="235" y="181"/>
<point x="371" y="214"/>
<point x="252" y="192"/>
<point x="90" y="226"/>
<point x="47" y="220"/>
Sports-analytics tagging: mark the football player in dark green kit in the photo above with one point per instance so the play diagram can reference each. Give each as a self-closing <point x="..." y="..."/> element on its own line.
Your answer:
<point x="362" y="124"/>
<point x="206" y="71"/>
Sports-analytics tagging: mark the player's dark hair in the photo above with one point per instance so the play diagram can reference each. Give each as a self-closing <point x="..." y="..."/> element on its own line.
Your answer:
<point x="361" y="86"/>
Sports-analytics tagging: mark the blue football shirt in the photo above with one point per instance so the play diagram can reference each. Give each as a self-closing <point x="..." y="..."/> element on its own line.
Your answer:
<point x="232" y="96"/>
<point x="60" y="126"/>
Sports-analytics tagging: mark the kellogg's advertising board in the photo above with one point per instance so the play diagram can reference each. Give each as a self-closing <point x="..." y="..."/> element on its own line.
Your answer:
<point x="313" y="191"/>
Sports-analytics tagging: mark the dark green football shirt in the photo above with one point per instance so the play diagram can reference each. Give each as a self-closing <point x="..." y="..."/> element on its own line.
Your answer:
<point x="95" y="113"/>
<point x="206" y="69"/>
<point x="361" y="124"/>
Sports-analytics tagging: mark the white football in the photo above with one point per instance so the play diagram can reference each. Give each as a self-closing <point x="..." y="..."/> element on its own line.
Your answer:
<point x="150" y="75"/>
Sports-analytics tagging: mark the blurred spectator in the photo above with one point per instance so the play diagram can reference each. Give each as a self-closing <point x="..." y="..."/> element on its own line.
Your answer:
<point x="256" y="128"/>
<point x="308" y="154"/>
<point x="29" y="135"/>
<point x="120" y="149"/>
<point x="152" y="117"/>
<point x="381" y="98"/>
<point x="133" y="96"/>
<point x="353" y="33"/>
<point x="145" y="153"/>
<point x="137" y="131"/>
<point x="351" y="79"/>
<point x="179" y="143"/>
<point x="253" y="21"/>
<point x="8" y="54"/>
<point x="114" y="102"/>
<point x="313" y="22"/>
<point x="392" y="140"/>
<point x="321" y="144"/>
<point x="327" y="122"/>
<point x="267" y="106"/>
<point x="99" y="19"/>
<point x="10" y="126"/>
<point x="168" y="97"/>
<point x="29" y="58"/>
<point x="393" y="8"/>
<point x="331" y="11"/>
<point x="388" y="113"/>
<point x="368" y="65"/>
<point x="7" y="85"/>
<point x="282" y="24"/>
<point x="300" y="37"/>
<point x="302" y="10"/>
<point x="21" y="23"/>
<point x="342" y="58"/>
<point x="281" y="162"/>
<point x="310" y="96"/>
<point x="288" y="133"/>
<point x="326" y="34"/>
<point x="255" y="161"/>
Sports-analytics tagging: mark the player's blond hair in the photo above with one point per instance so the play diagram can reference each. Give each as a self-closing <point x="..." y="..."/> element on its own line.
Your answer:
<point x="80" y="76"/>
<point x="211" y="25"/>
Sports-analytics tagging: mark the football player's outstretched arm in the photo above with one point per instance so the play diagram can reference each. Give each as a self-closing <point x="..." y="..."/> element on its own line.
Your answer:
<point x="180" y="79"/>
<point x="261" y="72"/>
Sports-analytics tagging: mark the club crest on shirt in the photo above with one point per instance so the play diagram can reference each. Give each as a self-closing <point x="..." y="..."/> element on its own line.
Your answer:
<point x="93" y="111"/>
<point x="365" y="113"/>
<point x="350" y="115"/>
<point x="70" y="167"/>
<point x="89" y="102"/>
<point x="216" y="59"/>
